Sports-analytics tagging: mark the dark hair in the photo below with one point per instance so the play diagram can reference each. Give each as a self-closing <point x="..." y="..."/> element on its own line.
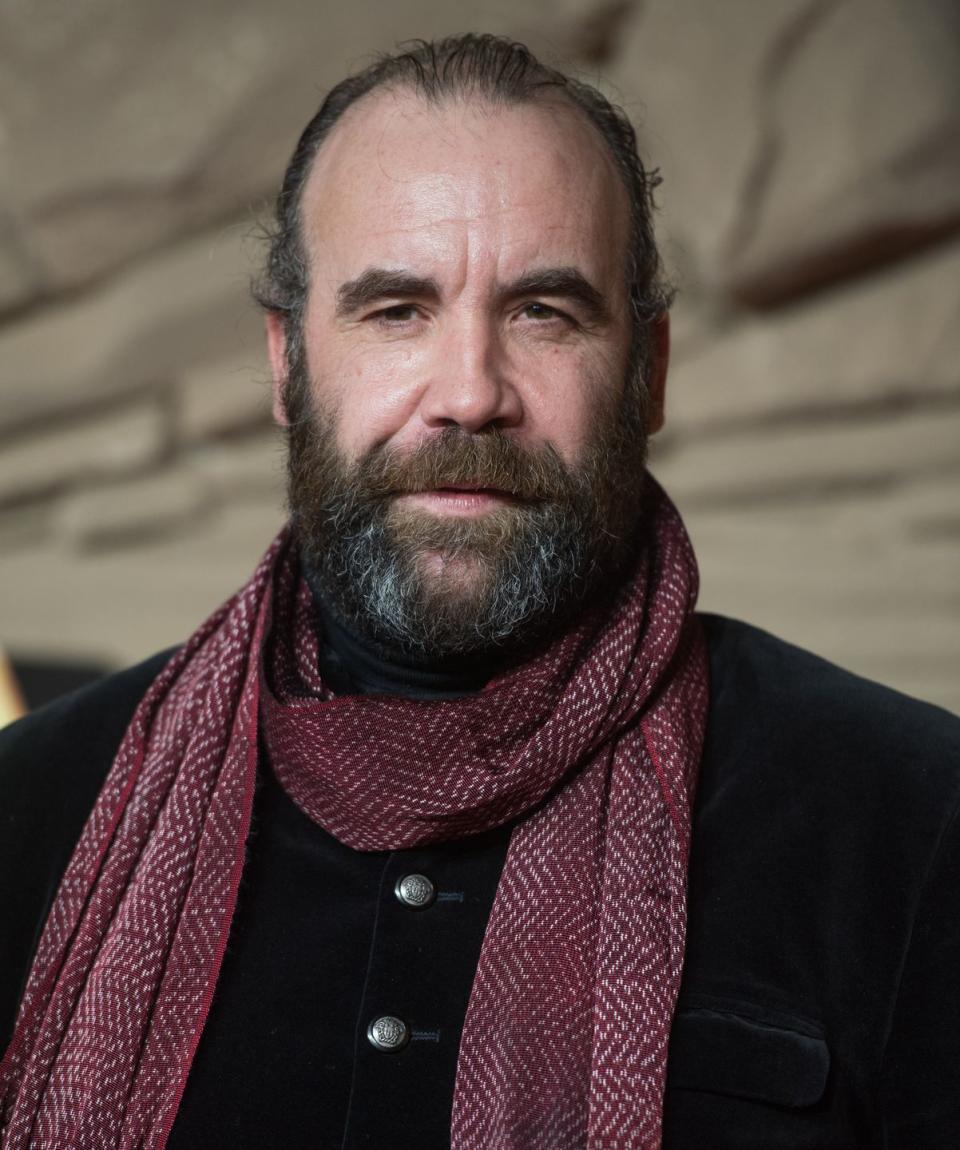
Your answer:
<point x="488" y="68"/>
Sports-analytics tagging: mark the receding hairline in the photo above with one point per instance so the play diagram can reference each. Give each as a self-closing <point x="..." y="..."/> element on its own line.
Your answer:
<point x="475" y="97"/>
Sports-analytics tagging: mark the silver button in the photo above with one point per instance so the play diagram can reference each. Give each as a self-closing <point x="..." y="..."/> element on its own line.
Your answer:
<point x="415" y="891"/>
<point x="388" y="1033"/>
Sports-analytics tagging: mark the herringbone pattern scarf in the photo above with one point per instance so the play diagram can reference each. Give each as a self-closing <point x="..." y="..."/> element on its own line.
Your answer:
<point x="596" y="741"/>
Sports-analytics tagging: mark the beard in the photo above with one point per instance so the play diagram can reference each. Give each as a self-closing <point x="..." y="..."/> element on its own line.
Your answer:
<point x="439" y="586"/>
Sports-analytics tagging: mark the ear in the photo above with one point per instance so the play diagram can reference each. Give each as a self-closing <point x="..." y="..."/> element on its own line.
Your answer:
<point x="277" y="354"/>
<point x="659" y="361"/>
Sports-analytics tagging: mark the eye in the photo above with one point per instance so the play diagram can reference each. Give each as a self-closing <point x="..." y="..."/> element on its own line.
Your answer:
<point x="541" y="311"/>
<point x="398" y="313"/>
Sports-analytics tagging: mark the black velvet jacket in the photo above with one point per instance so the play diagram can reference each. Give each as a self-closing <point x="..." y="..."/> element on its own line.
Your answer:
<point x="820" y="1006"/>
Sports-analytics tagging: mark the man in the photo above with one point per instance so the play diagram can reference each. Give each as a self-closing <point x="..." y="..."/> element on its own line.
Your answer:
<point x="395" y="851"/>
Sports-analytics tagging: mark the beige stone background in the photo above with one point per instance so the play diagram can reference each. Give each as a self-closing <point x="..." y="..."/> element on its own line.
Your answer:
<point x="810" y="212"/>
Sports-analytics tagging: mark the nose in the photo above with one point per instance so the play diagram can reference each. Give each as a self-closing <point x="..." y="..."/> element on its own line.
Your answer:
<point x="470" y="384"/>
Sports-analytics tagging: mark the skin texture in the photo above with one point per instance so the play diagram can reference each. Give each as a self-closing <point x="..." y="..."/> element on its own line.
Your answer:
<point x="466" y="270"/>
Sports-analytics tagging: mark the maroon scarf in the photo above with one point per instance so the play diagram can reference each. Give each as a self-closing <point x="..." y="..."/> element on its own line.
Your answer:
<point x="596" y="741"/>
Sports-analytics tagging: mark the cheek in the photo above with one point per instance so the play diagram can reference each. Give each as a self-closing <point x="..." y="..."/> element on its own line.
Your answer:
<point x="571" y="392"/>
<point x="373" y="387"/>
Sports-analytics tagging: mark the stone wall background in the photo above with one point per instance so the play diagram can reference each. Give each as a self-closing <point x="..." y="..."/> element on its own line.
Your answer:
<point x="810" y="211"/>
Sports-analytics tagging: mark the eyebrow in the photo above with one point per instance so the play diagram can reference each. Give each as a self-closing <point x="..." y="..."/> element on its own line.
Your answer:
<point x="375" y="284"/>
<point x="380" y="283"/>
<point x="565" y="283"/>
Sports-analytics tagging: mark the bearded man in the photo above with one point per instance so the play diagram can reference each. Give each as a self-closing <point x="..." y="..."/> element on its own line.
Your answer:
<point x="395" y="851"/>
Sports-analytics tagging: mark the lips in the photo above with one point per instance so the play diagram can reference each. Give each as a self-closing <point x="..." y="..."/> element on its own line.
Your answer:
<point x="459" y="499"/>
<point x="462" y="493"/>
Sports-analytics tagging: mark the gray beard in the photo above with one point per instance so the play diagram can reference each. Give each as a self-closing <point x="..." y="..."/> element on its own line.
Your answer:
<point x="519" y="577"/>
<point x="506" y="579"/>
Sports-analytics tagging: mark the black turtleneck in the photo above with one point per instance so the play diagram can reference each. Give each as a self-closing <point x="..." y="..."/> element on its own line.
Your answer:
<point x="352" y="664"/>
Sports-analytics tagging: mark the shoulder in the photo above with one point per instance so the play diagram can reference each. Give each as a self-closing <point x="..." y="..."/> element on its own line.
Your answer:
<point x="68" y="744"/>
<point x="52" y="765"/>
<point x="771" y="697"/>
<point x="814" y="779"/>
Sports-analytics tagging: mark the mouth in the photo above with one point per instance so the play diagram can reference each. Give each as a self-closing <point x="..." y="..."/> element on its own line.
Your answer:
<point x="464" y="499"/>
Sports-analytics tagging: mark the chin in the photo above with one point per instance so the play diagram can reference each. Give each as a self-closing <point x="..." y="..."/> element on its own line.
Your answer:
<point x="453" y="577"/>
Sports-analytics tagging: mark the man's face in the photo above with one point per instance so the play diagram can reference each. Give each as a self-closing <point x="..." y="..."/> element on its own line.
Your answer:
<point x="464" y="395"/>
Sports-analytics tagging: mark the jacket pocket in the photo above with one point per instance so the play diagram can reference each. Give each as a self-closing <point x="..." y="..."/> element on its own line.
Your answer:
<point x="747" y="1052"/>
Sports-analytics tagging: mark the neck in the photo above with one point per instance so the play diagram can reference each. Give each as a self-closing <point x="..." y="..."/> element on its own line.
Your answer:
<point x="353" y="664"/>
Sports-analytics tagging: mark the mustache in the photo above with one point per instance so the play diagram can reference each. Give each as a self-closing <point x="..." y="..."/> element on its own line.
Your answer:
<point x="455" y="458"/>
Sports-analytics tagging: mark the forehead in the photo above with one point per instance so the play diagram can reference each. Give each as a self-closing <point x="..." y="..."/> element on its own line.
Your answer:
<point x="400" y="181"/>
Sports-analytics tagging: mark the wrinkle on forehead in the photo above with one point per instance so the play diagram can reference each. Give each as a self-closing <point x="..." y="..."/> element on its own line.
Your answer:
<point x="396" y="166"/>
